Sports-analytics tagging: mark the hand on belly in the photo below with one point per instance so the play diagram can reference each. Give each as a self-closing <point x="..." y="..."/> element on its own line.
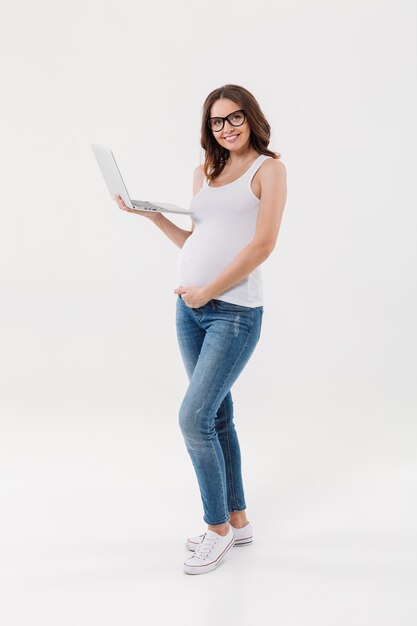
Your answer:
<point x="194" y="297"/>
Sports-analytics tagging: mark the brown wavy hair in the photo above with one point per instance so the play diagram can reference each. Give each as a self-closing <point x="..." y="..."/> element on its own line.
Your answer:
<point x="216" y="156"/>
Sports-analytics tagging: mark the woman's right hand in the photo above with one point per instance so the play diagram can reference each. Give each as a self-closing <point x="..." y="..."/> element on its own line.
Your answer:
<point x="124" y="207"/>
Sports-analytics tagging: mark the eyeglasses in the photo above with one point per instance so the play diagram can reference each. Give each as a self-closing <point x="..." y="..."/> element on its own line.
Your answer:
<point x="236" y="118"/>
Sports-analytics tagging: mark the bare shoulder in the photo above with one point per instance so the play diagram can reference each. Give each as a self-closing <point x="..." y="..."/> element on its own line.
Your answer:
<point x="199" y="171"/>
<point x="272" y="178"/>
<point x="198" y="178"/>
<point x="273" y="167"/>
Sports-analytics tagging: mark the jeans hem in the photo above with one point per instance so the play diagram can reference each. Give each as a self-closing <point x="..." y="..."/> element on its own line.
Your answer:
<point x="217" y="523"/>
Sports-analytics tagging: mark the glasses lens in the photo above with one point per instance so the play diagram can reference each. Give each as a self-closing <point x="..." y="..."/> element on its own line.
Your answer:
<point x="237" y="118"/>
<point x="215" y="123"/>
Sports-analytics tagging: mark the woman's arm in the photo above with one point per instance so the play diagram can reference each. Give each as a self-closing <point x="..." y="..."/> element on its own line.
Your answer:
<point x="172" y="231"/>
<point x="178" y="235"/>
<point x="273" y="197"/>
<point x="273" y="181"/>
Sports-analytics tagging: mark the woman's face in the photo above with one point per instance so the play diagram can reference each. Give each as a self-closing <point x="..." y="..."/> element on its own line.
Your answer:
<point x="241" y="134"/>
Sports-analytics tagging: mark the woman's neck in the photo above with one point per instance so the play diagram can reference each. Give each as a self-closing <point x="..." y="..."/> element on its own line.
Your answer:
<point x="237" y="160"/>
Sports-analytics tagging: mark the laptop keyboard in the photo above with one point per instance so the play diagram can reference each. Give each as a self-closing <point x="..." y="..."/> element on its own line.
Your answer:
<point x="147" y="206"/>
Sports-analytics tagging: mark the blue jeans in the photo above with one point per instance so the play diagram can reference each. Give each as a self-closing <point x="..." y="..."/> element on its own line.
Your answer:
<point x="215" y="341"/>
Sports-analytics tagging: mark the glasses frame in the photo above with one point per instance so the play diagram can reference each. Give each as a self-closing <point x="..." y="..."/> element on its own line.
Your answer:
<point x="217" y="117"/>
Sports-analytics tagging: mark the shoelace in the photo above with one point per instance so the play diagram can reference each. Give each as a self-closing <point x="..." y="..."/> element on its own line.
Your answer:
<point x="205" y="546"/>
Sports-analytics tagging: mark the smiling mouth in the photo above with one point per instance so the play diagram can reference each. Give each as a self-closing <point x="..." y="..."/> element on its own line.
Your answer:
<point x="231" y="137"/>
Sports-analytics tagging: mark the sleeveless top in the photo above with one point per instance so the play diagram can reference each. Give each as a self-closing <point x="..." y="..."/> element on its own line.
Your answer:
<point x="224" y="222"/>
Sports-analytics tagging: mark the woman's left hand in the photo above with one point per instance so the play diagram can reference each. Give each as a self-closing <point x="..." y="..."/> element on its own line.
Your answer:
<point x="194" y="297"/>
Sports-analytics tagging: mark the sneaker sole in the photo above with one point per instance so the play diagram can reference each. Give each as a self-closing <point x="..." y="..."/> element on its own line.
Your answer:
<point x="203" y="569"/>
<point x="245" y="541"/>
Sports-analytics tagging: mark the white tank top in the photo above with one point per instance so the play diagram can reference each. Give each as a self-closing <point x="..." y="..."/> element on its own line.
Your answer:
<point x="224" y="223"/>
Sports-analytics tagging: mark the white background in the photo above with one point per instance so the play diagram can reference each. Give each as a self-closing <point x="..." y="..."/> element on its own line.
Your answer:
<point x="98" y="492"/>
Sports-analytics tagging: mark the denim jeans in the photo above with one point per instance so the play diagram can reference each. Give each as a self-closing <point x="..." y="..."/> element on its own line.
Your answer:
<point x="215" y="341"/>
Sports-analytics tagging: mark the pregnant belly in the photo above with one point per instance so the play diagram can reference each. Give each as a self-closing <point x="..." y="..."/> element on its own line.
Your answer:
<point x="201" y="260"/>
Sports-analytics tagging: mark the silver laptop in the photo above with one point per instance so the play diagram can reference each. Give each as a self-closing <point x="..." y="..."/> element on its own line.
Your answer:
<point x="115" y="184"/>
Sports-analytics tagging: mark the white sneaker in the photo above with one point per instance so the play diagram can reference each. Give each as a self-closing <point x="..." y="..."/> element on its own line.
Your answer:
<point x="209" y="553"/>
<point x="243" y="536"/>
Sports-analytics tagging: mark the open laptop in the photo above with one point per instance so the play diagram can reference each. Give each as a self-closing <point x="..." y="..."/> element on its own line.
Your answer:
<point x="115" y="184"/>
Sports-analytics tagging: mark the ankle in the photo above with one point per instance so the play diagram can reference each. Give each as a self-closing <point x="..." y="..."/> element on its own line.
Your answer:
<point x="220" y="529"/>
<point x="238" y="519"/>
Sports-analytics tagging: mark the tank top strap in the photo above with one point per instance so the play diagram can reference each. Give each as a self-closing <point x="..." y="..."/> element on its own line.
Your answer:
<point x="255" y="165"/>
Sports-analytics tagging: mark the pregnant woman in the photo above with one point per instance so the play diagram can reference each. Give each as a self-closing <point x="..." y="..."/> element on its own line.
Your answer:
<point x="239" y="194"/>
